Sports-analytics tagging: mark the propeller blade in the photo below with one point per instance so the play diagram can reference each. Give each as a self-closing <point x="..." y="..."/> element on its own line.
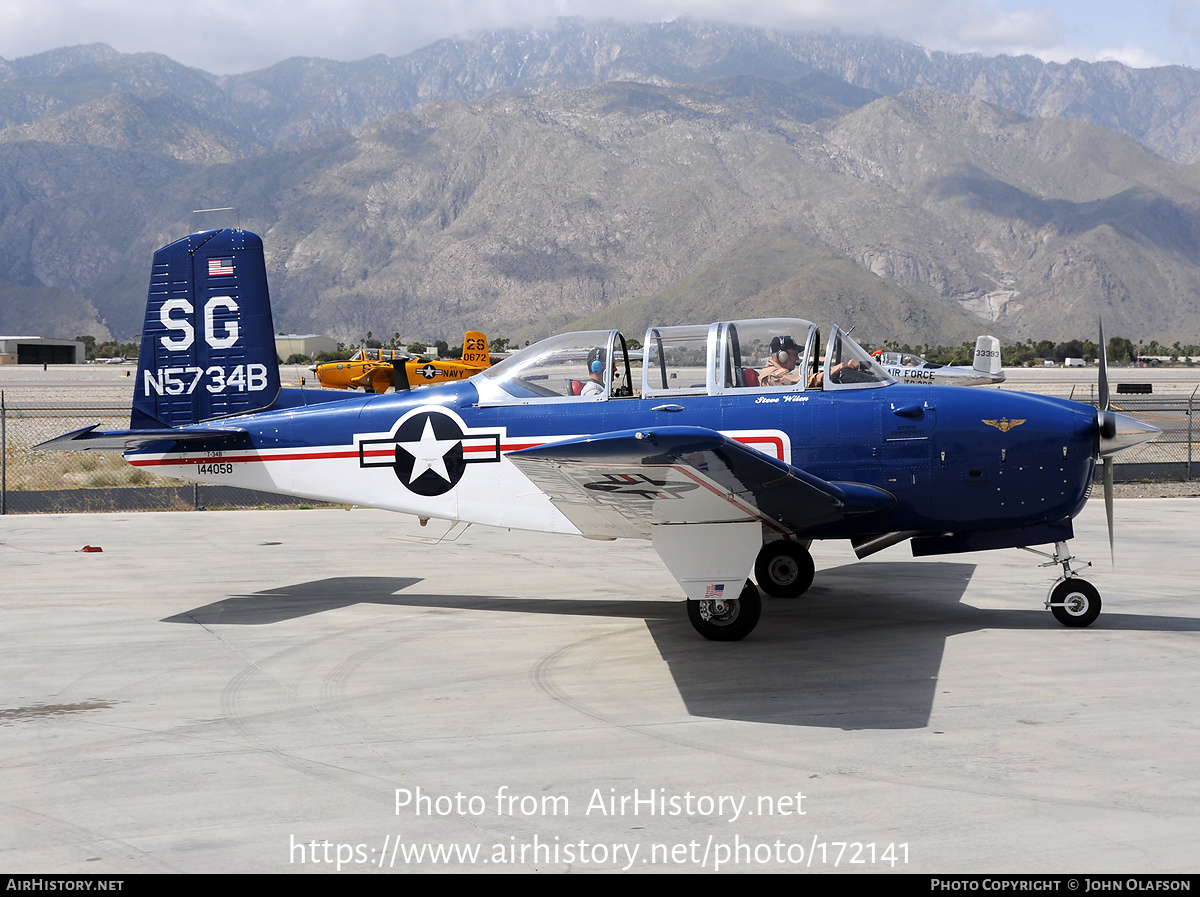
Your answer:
<point x="1108" y="507"/>
<point x="1106" y="423"/>
<point x="1103" y="369"/>
<point x="1104" y="419"/>
<point x="1117" y="432"/>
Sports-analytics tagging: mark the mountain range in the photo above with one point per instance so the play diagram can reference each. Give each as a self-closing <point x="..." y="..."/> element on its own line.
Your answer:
<point x="601" y="174"/>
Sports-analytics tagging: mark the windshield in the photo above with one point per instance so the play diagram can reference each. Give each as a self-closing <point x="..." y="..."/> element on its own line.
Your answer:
<point x="849" y="365"/>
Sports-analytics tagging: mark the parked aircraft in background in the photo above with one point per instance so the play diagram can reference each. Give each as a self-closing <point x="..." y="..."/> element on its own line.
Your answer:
<point x="906" y="367"/>
<point x="724" y="476"/>
<point x="375" y="370"/>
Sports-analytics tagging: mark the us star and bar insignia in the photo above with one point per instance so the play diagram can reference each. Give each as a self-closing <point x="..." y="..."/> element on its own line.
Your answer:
<point x="429" y="449"/>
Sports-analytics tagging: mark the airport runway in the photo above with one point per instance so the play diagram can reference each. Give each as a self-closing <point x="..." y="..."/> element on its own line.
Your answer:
<point x="246" y="692"/>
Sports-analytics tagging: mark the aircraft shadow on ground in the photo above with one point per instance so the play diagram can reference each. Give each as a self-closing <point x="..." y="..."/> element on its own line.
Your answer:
<point x="861" y="650"/>
<point x="308" y="598"/>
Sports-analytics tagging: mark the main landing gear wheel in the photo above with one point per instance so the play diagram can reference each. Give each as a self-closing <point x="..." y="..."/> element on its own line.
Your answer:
<point x="727" y="620"/>
<point x="784" y="569"/>
<point x="1075" y="602"/>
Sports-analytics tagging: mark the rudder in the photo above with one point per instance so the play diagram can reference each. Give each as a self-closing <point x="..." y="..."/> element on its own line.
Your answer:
<point x="987" y="355"/>
<point x="475" y="350"/>
<point x="208" y="341"/>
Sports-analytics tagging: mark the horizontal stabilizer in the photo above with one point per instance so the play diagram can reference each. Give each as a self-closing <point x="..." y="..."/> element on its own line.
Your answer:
<point x="89" y="440"/>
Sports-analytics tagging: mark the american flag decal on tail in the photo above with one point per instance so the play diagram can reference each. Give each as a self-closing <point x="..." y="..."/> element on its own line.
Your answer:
<point x="220" y="267"/>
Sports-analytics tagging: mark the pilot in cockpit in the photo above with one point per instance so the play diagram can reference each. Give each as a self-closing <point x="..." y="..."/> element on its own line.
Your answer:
<point x="782" y="370"/>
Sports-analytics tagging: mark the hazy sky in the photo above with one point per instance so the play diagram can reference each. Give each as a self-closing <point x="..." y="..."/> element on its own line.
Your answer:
<point x="241" y="35"/>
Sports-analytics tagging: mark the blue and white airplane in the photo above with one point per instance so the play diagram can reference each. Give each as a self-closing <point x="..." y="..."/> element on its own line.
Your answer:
<point x="681" y="444"/>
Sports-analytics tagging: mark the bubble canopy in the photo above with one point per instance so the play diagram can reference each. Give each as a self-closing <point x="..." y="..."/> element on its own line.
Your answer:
<point x="698" y="359"/>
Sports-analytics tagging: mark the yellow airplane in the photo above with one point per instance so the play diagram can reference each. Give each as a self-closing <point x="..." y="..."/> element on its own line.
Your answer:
<point x="374" y="370"/>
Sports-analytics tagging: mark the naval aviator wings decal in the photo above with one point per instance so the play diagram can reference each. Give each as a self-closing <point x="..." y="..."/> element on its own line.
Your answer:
<point x="1004" y="424"/>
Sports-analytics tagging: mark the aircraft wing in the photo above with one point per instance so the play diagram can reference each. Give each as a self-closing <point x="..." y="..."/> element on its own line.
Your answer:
<point x="623" y="483"/>
<point x="87" y="439"/>
<point x="965" y="376"/>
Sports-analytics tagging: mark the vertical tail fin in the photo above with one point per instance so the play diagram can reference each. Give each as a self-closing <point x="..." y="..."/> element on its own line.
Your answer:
<point x="475" y="350"/>
<point x="987" y="355"/>
<point x="208" y="343"/>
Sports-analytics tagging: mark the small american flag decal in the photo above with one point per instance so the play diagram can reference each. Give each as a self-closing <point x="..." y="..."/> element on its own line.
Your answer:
<point x="714" y="591"/>
<point x="220" y="267"/>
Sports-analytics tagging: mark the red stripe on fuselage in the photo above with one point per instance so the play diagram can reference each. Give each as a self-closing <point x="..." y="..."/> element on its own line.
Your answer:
<point x="201" y="459"/>
<point x="337" y="454"/>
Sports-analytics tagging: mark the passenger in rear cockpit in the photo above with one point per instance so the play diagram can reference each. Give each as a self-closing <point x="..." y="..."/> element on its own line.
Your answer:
<point x="594" y="384"/>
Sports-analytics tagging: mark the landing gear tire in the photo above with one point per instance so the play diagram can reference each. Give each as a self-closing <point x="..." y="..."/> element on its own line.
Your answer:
<point x="784" y="569"/>
<point x="726" y="620"/>
<point x="1075" y="602"/>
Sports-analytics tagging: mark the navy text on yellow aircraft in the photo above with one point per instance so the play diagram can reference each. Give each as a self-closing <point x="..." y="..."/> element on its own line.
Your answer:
<point x="678" y="444"/>
<point x="377" y="370"/>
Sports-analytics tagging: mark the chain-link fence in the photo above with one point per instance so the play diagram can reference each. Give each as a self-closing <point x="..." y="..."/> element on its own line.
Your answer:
<point x="34" y="481"/>
<point x="56" y="482"/>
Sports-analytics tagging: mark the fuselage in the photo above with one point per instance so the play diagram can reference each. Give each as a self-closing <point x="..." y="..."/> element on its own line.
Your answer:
<point x="953" y="457"/>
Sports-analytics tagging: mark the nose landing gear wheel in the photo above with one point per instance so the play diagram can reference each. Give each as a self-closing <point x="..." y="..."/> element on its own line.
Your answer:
<point x="725" y="619"/>
<point x="1075" y="602"/>
<point x="784" y="569"/>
